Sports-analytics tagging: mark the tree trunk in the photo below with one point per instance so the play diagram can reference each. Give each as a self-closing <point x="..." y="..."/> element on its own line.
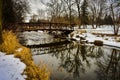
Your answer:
<point x="70" y="12"/>
<point x="93" y="21"/>
<point x="0" y="21"/>
<point x="70" y="15"/>
<point x="78" y="7"/>
<point x="116" y="28"/>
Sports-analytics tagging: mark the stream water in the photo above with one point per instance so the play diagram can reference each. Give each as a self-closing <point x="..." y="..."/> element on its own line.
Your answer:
<point x="76" y="61"/>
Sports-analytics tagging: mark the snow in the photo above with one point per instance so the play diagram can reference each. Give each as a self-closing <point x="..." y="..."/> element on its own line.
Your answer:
<point x="104" y="29"/>
<point x="11" y="68"/>
<point x="107" y="40"/>
<point x="19" y="50"/>
<point x="36" y="38"/>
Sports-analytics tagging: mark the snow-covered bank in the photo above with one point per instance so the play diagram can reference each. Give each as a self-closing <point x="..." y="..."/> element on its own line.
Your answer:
<point x="87" y="34"/>
<point x="103" y="29"/>
<point x="11" y="68"/>
<point x="36" y="38"/>
<point x="109" y="42"/>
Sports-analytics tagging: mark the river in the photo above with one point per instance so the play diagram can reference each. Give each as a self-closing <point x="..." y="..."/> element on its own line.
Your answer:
<point x="72" y="60"/>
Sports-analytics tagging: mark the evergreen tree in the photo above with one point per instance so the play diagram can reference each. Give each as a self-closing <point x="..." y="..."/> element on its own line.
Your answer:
<point x="84" y="13"/>
<point x="105" y="19"/>
<point x="21" y="7"/>
<point x="8" y="13"/>
<point x="108" y="20"/>
<point x="13" y="12"/>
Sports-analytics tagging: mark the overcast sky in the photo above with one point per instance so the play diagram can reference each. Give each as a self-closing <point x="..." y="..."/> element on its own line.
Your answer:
<point x="35" y="5"/>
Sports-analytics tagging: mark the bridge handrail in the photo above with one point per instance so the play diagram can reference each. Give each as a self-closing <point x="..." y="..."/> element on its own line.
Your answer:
<point x="39" y="23"/>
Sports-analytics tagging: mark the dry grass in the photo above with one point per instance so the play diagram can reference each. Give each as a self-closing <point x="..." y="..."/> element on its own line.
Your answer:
<point x="10" y="42"/>
<point x="10" y="46"/>
<point x="33" y="71"/>
<point x="82" y="31"/>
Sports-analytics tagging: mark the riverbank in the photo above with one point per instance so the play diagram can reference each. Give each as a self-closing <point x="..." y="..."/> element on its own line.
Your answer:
<point x="104" y="34"/>
<point x="30" y="71"/>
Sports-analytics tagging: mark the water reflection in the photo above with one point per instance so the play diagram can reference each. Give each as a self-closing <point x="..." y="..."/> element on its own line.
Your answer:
<point x="109" y="66"/>
<point x="84" y="62"/>
<point x="77" y="58"/>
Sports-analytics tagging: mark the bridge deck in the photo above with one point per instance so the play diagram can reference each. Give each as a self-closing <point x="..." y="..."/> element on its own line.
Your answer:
<point x="46" y="26"/>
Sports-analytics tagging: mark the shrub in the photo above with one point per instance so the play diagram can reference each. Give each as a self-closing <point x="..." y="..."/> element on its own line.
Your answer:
<point x="24" y="54"/>
<point x="98" y="43"/>
<point x="36" y="73"/>
<point x="32" y="71"/>
<point x="10" y="42"/>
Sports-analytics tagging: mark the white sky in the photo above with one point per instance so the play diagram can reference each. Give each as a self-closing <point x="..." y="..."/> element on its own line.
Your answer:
<point x="35" y="5"/>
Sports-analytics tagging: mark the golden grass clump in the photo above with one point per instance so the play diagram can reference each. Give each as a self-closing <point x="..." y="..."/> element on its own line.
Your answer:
<point x="24" y="55"/>
<point x="32" y="71"/>
<point x="10" y="42"/>
<point x="82" y="31"/>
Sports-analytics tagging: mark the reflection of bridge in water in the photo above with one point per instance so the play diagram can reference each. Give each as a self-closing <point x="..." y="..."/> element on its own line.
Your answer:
<point x="50" y="47"/>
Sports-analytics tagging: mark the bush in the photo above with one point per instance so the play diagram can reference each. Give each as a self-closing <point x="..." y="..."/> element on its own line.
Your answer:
<point x="24" y="55"/>
<point x="32" y="71"/>
<point x="98" y="43"/>
<point x="10" y="42"/>
<point x="36" y="73"/>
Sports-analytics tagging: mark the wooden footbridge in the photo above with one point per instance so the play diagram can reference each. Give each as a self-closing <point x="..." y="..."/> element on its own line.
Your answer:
<point x="50" y="26"/>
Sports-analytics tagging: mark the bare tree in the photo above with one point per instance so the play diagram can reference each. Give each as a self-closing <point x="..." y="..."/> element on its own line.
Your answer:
<point x="84" y="14"/>
<point x="78" y="4"/>
<point x="60" y="9"/>
<point x="114" y="9"/>
<point x="34" y="18"/>
<point x="97" y="9"/>
<point x="41" y="14"/>
<point x="69" y="4"/>
<point x="55" y="9"/>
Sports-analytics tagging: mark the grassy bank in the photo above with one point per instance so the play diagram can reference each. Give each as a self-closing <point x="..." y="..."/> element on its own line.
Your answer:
<point x="11" y="45"/>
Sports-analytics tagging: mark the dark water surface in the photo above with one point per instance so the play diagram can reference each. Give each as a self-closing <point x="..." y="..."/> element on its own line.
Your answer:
<point x="75" y="61"/>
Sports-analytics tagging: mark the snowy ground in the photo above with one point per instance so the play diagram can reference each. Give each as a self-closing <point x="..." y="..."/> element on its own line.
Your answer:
<point x="113" y="41"/>
<point x="11" y="68"/>
<point x="104" y="29"/>
<point x="36" y="38"/>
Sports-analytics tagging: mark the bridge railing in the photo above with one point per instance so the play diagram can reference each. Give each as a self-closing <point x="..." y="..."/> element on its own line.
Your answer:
<point x="46" y="26"/>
